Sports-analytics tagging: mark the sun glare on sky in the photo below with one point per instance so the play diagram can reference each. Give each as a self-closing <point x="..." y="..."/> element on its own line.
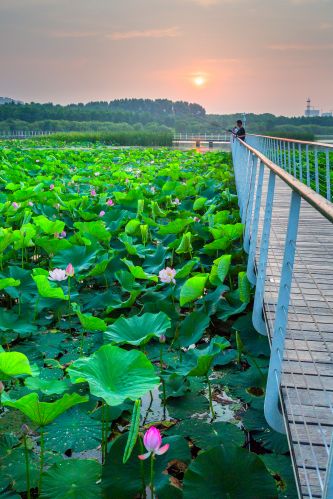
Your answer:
<point x="199" y="80"/>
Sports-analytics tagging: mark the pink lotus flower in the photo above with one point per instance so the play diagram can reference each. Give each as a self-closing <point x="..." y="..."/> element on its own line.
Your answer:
<point x="96" y="174"/>
<point x="93" y="192"/>
<point x="30" y="203"/>
<point x="196" y="219"/>
<point x="110" y="202"/>
<point x="37" y="160"/>
<point x="126" y="180"/>
<point x="102" y="213"/>
<point x="167" y="275"/>
<point x="69" y="270"/>
<point x="176" y="201"/>
<point x="57" y="275"/>
<point x="51" y="187"/>
<point x="152" y="440"/>
<point x="15" y="205"/>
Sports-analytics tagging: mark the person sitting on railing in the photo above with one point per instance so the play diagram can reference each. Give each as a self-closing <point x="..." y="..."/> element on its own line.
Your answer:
<point x="240" y="130"/>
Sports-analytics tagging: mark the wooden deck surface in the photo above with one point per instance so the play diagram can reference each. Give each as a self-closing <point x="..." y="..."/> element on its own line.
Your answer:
<point x="307" y="380"/>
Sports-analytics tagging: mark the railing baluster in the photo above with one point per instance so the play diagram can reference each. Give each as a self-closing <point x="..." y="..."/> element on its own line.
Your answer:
<point x="328" y="176"/>
<point x="316" y="170"/>
<point x="271" y="407"/>
<point x="255" y="224"/>
<point x="257" y="316"/>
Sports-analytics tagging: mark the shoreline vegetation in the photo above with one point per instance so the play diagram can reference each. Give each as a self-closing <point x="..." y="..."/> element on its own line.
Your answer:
<point x="146" y="116"/>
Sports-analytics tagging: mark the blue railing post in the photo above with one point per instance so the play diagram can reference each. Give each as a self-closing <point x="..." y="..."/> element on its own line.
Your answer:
<point x="328" y="176"/>
<point x="328" y="485"/>
<point x="249" y="208"/>
<point x="257" y="316"/>
<point x="254" y="232"/>
<point x="271" y="407"/>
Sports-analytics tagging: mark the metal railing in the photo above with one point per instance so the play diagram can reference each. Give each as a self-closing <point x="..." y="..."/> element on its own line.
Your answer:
<point x="193" y="137"/>
<point x="277" y="209"/>
<point x="310" y="162"/>
<point x="24" y="134"/>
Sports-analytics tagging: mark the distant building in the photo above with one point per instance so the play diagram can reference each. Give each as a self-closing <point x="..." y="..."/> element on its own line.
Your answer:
<point x="8" y="100"/>
<point x="310" y="111"/>
<point x="327" y="115"/>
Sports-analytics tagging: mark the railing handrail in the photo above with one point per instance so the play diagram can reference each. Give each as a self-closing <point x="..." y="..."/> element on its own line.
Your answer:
<point x="296" y="141"/>
<point x="316" y="200"/>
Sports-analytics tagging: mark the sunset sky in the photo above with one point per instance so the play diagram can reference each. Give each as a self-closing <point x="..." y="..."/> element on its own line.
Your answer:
<point x="228" y="55"/>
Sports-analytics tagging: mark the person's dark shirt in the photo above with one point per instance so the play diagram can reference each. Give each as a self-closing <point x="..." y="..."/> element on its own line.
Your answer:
<point x="241" y="133"/>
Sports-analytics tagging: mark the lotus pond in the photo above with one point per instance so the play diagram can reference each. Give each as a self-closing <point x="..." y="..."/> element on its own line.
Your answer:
<point x="128" y="364"/>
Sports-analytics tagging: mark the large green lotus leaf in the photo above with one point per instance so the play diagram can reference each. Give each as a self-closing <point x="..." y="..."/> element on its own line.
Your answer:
<point x="49" y="226"/>
<point x="115" y="477"/>
<point x="43" y="413"/>
<point x="52" y="246"/>
<point x="115" y="374"/>
<point x="175" y="385"/>
<point x="186" y="406"/>
<point x="174" y="227"/>
<point x="207" y="435"/>
<point x="282" y="471"/>
<point x="220" y="270"/>
<point x="81" y="257"/>
<point x="6" y="237"/>
<point x="138" y="271"/>
<point x="228" y="472"/>
<point x="199" y="203"/>
<point x="254" y="343"/>
<point x="88" y="321"/>
<point x="23" y="238"/>
<point x="192" y="328"/>
<point x="13" y="364"/>
<point x="47" y="386"/>
<point x="73" y="478"/>
<point x="8" y="281"/>
<point x="192" y="289"/>
<point x="155" y="259"/>
<point x="96" y="229"/>
<point x="137" y="330"/>
<point x="27" y="287"/>
<point x="199" y="361"/>
<point x="46" y="290"/>
<point x="244" y="287"/>
<point x="187" y="268"/>
<point x="255" y="422"/>
<point x="11" y="321"/>
<point x="74" y="430"/>
<point x="13" y="470"/>
<point x="132" y="226"/>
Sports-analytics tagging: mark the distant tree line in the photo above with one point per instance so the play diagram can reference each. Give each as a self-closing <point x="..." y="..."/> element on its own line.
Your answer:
<point x="160" y="115"/>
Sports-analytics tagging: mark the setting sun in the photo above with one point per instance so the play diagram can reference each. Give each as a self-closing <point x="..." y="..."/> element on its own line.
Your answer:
<point x="199" y="81"/>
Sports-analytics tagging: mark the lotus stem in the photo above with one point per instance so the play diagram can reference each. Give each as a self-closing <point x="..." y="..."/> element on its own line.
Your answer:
<point x="142" y="470"/>
<point x="152" y="475"/>
<point x="41" y="462"/>
<point x="27" y="466"/>
<point x="210" y="397"/>
<point x="81" y="342"/>
<point x="69" y="295"/>
<point x="104" y="432"/>
<point x="36" y="309"/>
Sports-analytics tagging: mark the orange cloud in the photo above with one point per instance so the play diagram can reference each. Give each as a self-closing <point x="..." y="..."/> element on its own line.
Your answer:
<point x="148" y="33"/>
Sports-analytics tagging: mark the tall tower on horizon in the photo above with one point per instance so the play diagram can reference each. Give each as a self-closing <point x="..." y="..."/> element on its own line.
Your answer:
<point x="310" y="111"/>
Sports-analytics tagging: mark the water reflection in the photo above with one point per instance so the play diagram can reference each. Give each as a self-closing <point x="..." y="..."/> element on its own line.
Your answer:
<point x="204" y="147"/>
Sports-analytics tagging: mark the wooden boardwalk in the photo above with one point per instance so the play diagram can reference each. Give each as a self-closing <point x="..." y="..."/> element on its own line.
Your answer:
<point x="307" y="380"/>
